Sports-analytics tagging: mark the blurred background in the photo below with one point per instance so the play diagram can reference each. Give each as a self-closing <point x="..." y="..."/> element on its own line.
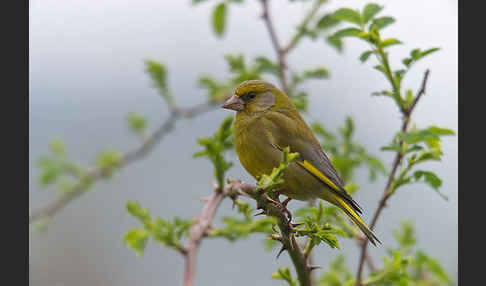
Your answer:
<point x="87" y="72"/>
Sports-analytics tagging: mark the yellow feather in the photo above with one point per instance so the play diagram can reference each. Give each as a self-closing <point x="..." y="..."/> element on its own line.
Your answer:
<point x="309" y="167"/>
<point x="340" y="202"/>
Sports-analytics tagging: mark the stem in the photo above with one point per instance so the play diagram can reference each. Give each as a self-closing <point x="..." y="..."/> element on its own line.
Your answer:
<point x="82" y="186"/>
<point x="302" y="27"/>
<point x="288" y="240"/>
<point x="396" y="162"/>
<point x="391" y="78"/>
<point x="276" y="46"/>
<point x="198" y="231"/>
<point x="290" y="244"/>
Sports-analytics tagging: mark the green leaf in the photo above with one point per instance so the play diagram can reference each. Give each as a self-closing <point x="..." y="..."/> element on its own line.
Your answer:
<point x="439" y="131"/>
<point x="158" y="74"/>
<point x="235" y="229"/>
<point x="108" y="160"/>
<point x="318" y="233"/>
<point x="407" y="62"/>
<point x="57" y="147"/>
<point x="219" y="19"/>
<point x="348" y="129"/>
<point x="370" y="11"/>
<point x="390" y="42"/>
<point x="364" y="56"/>
<point x="429" y="51"/>
<point x="284" y="274"/>
<point x="422" y="260"/>
<point x="431" y="179"/>
<point x="380" y="68"/>
<point x="348" y="15"/>
<point x="136" y="239"/>
<point x="348" y="32"/>
<point x="264" y="64"/>
<point x="137" y="211"/>
<point x="268" y="182"/>
<point x="417" y="54"/>
<point x="215" y="146"/>
<point x="300" y="101"/>
<point x="406" y="235"/>
<point x="382" y="93"/>
<point x="216" y="91"/>
<point x="318" y="73"/>
<point x="236" y="62"/>
<point x="327" y="21"/>
<point x="335" y="42"/>
<point x="137" y="123"/>
<point x="394" y="147"/>
<point x="380" y="23"/>
<point x="338" y="274"/>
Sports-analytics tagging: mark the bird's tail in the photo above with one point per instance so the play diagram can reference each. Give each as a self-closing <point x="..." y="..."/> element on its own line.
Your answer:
<point x="357" y="220"/>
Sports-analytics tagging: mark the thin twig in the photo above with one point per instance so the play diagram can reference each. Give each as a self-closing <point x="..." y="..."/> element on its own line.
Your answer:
<point x="303" y="26"/>
<point x="201" y="228"/>
<point x="276" y="46"/>
<point x="396" y="162"/>
<point x="47" y="212"/>
<point x="198" y="231"/>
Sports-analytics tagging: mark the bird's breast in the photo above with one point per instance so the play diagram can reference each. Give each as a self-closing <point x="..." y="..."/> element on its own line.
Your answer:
<point x="253" y="147"/>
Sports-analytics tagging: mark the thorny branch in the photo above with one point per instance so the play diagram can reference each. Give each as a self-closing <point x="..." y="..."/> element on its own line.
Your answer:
<point x="238" y="188"/>
<point x="396" y="162"/>
<point x="276" y="45"/>
<point x="199" y="230"/>
<point x="47" y="212"/>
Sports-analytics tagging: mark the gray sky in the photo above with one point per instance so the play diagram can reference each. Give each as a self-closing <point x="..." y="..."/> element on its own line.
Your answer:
<point x="86" y="74"/>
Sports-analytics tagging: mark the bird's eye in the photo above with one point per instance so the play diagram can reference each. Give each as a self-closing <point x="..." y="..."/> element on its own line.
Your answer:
<point x="249" y="95"/>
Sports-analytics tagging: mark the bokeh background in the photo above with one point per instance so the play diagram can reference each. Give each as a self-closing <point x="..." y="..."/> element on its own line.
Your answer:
<point x="86" y="74"/>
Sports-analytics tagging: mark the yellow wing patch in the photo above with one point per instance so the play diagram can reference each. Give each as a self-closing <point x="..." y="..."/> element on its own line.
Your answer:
<point x="309" y="167"/>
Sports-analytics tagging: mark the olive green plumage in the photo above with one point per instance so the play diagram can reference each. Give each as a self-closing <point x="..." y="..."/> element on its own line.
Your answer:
<point x="266" y="122"/>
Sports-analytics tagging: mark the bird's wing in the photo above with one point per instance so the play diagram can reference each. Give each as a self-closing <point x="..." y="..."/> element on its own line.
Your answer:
<point x="289" y="129"/>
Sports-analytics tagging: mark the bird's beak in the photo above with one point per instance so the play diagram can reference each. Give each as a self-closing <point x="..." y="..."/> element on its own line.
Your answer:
<point x="234" y="103"/>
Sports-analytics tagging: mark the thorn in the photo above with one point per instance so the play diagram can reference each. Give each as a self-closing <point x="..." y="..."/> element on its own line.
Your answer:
<point x="286" y="202"/>
<point x="281" y="250"/>
<point x="314" y="267"/>
<point x="270" y="199"/>
<point x="260" y="213"/>
<point x="204" y="199"/>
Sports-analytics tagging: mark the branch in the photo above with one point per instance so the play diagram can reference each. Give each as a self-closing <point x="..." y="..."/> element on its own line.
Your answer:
<point x="303" y="26"/>
<point x="199" y="230"/>
<point x="271" y="208"/>
<point x="396" y="162"/>
<point x="287" y="237"/>
<point x="276" y="45"/>
<point x="45" y="213"/>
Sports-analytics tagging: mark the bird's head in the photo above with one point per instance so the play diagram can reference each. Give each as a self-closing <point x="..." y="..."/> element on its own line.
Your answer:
<point x="256" y="95"/>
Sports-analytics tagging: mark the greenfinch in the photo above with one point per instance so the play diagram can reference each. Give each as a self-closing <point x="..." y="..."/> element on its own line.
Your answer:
<point x="266" y="122"/>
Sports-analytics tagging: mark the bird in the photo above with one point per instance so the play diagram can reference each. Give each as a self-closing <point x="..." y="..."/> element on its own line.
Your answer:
<point x="266" y="122"/>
